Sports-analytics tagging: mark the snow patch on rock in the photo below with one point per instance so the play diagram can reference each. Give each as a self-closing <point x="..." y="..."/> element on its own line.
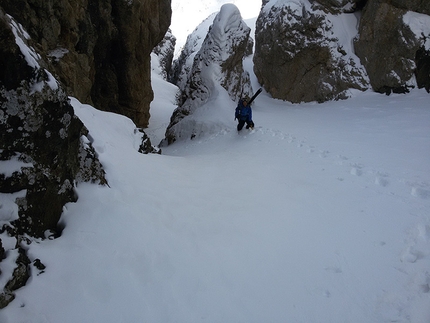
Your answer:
<point x="420" y="25"/>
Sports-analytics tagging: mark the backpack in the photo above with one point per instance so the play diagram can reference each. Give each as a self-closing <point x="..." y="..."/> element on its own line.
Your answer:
<point x="239" y="107"/>
<point x="241" y="111"/>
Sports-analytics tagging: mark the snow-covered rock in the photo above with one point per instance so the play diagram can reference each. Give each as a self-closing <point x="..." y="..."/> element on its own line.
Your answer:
<point x="181" y="67"/>
<point x="189" y="13"/>
<point x="216" y="66"/>
<point x="38" y="127"/>
<point x="304" y="54"/>
<point x="393" y="44"/>
<point x="164" y="51"/>
<point x="338" y="6"/>
<point x="44" y="150"/>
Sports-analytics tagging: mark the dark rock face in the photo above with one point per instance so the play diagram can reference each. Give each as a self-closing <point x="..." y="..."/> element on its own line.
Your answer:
<point x="38" y="128"/>
<point x="422" y="72"/>
<point x="389" y="48"/>
<point x="18" y="279"/>
<point x="218" y="62"/>
<point x="299" y="58"/>
<point x="100" y="49"/>
<point x="21" y="273"/>
<point x="300" y="55"/>
<point x="421" y="6"/>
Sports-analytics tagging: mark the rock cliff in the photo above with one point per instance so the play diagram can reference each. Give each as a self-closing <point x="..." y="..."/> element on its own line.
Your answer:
<point x="307" y="50"/>
<point x="304" y="54"/>
<point x="394" y="44"/>
<point x="40" y="132"/>
<point x="100" y="49"/>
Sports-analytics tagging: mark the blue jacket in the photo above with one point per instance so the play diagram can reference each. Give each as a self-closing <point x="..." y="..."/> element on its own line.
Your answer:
<point x="242" y="112"/>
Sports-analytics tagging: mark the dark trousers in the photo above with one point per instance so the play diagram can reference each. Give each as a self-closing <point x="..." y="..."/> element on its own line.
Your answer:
<point x="249" y="124"/>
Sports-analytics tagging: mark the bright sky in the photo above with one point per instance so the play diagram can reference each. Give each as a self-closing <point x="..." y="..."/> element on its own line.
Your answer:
<point x="188" y="14"/>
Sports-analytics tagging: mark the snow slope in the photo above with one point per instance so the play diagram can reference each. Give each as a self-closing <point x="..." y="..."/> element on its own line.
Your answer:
<point x="321" y="214"/>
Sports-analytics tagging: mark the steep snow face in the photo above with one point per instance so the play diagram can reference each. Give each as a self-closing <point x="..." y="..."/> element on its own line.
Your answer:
<point x="229" y="18"/>
<point x="217" y="67"/>
<point x="182" y="66"/>
<point x="20" y="34"/>
<point x="224" y="48"/>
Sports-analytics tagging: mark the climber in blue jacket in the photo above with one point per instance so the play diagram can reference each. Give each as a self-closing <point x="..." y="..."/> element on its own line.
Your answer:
<point x="244" y="114"/>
